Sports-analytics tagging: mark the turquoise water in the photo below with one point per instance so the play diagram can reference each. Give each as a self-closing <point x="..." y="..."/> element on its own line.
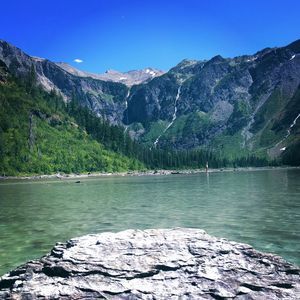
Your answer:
<point x="261" y="208"/>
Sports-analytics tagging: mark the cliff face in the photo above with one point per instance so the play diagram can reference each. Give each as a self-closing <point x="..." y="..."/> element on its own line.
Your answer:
<point x="106" y="99"/>
<point x="221" y="101"/>
<point x="153" y="264"/>
<point x="247" y="103"/>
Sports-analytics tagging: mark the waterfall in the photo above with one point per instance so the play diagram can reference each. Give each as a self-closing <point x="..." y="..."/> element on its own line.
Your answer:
<point x="126" y="106"/>
<point x="288" y="132"/>
<point x="126" y="98"/>
<point x="173" y="118"/>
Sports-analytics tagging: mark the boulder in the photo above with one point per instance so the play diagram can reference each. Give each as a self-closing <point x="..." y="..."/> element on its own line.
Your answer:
<point x="153" y="264"/>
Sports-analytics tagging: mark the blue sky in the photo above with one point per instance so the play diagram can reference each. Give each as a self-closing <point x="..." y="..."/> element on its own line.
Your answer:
<point x="132" y="34"/>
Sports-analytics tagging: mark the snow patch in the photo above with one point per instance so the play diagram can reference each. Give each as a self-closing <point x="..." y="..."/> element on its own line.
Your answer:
<point x="251" y="59"/>
<point x="36" y="58"/>
<point x="122" y="78"/>
<point x="282" y="149"/>
<point x="293" y="57"/>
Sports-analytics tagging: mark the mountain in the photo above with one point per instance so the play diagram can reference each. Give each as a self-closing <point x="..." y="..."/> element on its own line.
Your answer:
<point x="39" y="135"/>
<point x="129" y="78"/>
<point x="232" y="106"/>
<point x="105" y="98"/>
<point x="235" y="105"/>
<point x="42" y="134"/>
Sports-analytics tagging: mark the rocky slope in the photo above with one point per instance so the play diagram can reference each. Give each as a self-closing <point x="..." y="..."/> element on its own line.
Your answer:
<point x="235" y="105"/>
<point x="153" y="264"/>
<point x="222" y="103"/>
<point x="129" y="78"/>
<point x="106" y="99"/>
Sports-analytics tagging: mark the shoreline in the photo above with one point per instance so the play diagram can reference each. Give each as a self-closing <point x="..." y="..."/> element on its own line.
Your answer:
<point x="64" y="176"/>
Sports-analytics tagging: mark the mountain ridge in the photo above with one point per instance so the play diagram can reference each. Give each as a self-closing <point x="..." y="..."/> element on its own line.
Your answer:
<point x="228" y="92"/>
<point x="234" y="105"/>
<point x="129" y="78"/>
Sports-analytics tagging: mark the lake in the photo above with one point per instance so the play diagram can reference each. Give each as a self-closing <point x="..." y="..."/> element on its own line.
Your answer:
<point x="260" y="207"/>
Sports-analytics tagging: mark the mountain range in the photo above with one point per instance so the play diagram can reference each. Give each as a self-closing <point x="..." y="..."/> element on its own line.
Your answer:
<point x="129" y="78"/>
<point x="237" y="106"/>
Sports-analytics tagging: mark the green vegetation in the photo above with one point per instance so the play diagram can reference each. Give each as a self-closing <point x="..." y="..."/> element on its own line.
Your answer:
<point x="40" y="134"/>
<point x="37" y="136"/>
<point x="114" y="138"/>
<point x="267" y="113"/>
<point x="271" y="124"/>
<point x="198" y="122"/>
<point x="187" y="126"/>
<point x="178" y="127"/>
<point x="155" y="129"/>
<point x="230" y="146"/>
<point x="239" y="117"/>
<point x="292" y="155"/>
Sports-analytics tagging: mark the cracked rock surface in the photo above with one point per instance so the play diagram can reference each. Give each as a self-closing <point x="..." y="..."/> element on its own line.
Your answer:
<point x="153" y="264"/>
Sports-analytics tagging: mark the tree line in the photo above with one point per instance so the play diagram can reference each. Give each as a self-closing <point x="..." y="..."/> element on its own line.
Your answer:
<point x="115" y="138"/>
<point x="112" y="137"/>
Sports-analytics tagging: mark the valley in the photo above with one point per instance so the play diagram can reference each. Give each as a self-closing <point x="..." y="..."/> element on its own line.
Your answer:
<point x="229" y="111"/>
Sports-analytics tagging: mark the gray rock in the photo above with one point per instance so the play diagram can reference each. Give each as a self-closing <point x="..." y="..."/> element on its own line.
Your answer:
<point x="250" y="101"/>
<point x="105" y="98"/>
<point x="153" y="264"/>
<point x="129" y="78"/>
<point x="240" y="96"/>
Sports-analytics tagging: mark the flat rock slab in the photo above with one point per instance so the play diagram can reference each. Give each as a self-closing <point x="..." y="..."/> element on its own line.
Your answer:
<point x="153" y="264"/>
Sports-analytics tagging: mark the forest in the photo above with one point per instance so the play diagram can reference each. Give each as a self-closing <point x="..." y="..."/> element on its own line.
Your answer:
<point x="42" y="134"/>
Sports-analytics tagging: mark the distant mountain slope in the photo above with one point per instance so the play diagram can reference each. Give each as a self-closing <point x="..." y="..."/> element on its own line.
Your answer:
<point x="233" y="106"/>
<point x="128" y="78"/>
<point x="104" y="94"/>
<point x="106" y="99"/>
<point x="41" y="134"/>
<point x="230" y="105"/>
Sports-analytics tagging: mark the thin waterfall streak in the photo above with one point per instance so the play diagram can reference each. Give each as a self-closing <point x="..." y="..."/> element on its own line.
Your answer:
<point x="288" y="131"/>
<point x="126" y="107"/>
<point x="173" y="117"/>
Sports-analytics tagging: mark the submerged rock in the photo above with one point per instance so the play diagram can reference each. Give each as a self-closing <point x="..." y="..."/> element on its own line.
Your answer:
<point x="153" y="264"/>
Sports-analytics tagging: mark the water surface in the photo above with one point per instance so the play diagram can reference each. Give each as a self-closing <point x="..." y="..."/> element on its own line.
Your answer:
<point x="261" y="208"/>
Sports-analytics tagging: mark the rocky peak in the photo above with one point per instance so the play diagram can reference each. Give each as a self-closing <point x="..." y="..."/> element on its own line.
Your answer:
<point x="128" y="78"/>
<point x="217" y="59"/>
<point x="295" y="46"/>
<point x="187" y="66"/>
<point x="110" y="71"/>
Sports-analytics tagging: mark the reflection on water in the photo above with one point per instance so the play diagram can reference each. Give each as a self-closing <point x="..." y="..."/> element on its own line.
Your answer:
<point x="261" y="208"/>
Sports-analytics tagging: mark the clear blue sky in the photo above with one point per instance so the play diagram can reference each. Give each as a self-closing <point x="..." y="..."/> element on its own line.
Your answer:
<point x="133" y="34"/>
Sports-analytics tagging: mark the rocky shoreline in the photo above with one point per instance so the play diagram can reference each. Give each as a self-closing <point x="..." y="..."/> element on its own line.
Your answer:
<point x="153" y="264"/>
<point x="63" y="176"/>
